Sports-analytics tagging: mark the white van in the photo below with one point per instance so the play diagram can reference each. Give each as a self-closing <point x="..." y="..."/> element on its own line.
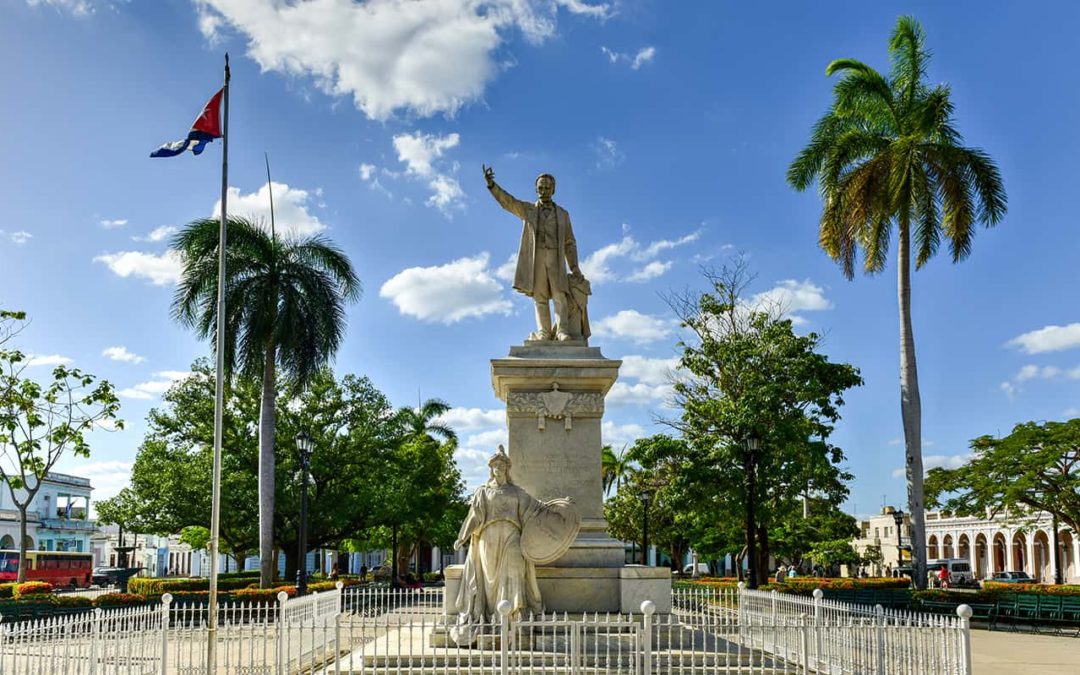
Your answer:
<point x="702" y="568"/>
<point x="959" y="571"/>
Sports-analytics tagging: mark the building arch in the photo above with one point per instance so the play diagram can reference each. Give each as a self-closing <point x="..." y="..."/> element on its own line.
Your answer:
<point x="932" y="548"/>
<point x="1019" y="557"/>
<point x="1067" y="558"/>
<point x="1000" y="557"/>
<point x="982" y="557"/>
<point x="947" y="549"/>
<point x="1043" y="569"/>
<point x="7" y="542"/>
<point x="963" y="547"/>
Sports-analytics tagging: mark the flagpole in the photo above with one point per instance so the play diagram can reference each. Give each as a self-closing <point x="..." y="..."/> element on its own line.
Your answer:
<point x="219" y="393"/>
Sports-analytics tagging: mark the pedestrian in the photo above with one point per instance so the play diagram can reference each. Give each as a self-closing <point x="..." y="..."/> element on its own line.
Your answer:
<point x="791" y="573"/>
<point x="780" y="572"/>
<point x="943" y="576"/>
<point x="363" y="573"/>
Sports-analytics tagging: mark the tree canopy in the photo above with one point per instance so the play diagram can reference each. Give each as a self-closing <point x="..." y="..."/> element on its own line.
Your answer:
<point x="1035" y="468"/>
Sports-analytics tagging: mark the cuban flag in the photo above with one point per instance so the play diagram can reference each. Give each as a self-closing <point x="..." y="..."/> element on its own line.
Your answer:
<point x="206" y="128"/>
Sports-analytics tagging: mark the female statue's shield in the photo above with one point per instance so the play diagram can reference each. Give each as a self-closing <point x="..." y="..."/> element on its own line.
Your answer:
<point x="547" y="535"/>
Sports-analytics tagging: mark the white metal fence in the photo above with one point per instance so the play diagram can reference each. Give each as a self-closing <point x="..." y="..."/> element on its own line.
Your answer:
<point x="363" y="630"/>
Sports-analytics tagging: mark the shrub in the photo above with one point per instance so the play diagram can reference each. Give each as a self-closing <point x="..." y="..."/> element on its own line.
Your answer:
<point x="156" y="586"/>
<point x="7" y="590"/>
<point x="1037" y="589"/>
<point x="32" y="588"/>
<point x="806" y="585"/>
<point x="119" y="600"/>
<point x="72" y="601"/>
<point x="36" y="599"/>
<point x="984" y="596"/>
<point x="247" y="574"/>
<point x="708" y="582"/>
<point x="432" y="577"/>
<point x="262" y="595"/>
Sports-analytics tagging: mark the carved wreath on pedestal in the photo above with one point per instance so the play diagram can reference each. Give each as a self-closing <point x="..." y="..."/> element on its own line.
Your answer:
<point x="555" y="404"/>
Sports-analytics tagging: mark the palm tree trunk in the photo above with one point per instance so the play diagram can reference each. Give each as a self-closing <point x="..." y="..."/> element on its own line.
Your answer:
<point x="911" y="410"/>
<point x="266" y="471"/>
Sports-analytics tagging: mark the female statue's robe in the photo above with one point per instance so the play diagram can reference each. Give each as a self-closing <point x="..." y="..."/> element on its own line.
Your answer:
<point x="495" y="568"/>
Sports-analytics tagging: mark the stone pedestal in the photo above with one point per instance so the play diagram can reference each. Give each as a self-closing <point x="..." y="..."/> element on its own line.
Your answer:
<point x="554" y="395"/>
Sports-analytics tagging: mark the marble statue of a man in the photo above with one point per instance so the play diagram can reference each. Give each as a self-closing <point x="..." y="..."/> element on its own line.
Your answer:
<point x="508" y="532"/>
<point x="547" y="248"/>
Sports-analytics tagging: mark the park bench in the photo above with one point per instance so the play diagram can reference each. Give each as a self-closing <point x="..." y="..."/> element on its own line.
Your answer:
<point x="980" y="611"/>
<point x="889" y="598"/>
<point x="1038" y="610"/>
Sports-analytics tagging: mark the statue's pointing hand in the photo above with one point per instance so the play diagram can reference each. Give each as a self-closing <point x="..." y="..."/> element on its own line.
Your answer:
<point x="489" y="175"/>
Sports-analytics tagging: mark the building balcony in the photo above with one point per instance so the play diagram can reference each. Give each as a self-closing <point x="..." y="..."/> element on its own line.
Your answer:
<point x="68" y="525"/>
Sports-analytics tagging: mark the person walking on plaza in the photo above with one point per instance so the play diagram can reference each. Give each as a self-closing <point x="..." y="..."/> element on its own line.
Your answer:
<point x="943" y="577"/>
<point x="780" y="572"/>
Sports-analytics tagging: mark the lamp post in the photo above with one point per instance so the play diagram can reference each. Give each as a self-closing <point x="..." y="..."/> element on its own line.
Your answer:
<point x="753" y="444"/>
<point x="898" y="518"/>
<point x="305" y="444"/>
<point x="644" y="496"/>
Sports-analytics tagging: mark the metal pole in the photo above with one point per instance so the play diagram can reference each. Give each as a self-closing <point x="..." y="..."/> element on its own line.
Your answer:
<point x="301" y="564"/>
<point x="219" y="394"/>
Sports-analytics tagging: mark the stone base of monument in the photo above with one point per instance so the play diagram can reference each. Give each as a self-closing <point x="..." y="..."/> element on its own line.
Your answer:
<point x="578" y="590"/>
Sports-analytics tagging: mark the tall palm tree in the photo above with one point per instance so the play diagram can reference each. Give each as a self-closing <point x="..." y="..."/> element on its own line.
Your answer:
<point x="285" y="308"/>
<point x="615" y="467"/>
<point x="423" y="421"/>
<point x="887" y="153"/>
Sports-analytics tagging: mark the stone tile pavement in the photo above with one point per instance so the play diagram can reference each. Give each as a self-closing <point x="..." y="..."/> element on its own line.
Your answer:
<point x="1003" y="653"/>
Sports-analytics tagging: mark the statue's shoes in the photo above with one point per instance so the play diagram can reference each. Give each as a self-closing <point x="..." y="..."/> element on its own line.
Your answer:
<point x="563" y="337"/>
<point x="539" y="335"/>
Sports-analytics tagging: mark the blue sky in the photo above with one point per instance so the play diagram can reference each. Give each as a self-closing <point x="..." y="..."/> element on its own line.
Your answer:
<point x="668" y="125"/>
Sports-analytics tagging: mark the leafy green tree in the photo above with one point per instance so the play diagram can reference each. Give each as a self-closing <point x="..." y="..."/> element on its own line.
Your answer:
<point x="831" y="554"/>
<point x="1035" y="468"/>
<point x="285" y="304"/>
<point x="625" y="515"/>
<point x="126" y="511"/>
<point x="42" y="422"/>
<point x="873" y="558"/>
<point x="792" y="536"/>
<point x="749" y="377"/>
<point x="888" y="153"/>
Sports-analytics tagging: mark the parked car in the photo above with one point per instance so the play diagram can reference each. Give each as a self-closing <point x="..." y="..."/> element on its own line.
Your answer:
<point x="702" y="568"/>
<point x="1012" y="578"/>
<point x="104" y="576"/>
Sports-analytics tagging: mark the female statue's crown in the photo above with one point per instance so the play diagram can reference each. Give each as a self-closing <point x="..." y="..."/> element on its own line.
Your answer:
<point x="499" y="457"/>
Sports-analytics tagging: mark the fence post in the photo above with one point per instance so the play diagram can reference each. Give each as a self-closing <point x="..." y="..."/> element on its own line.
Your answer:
<point x="879" y="613"/>
<point x="818" y="595"/>
<point x="804" y="634"/>
<point x="648" y="608"/>
<point x="772" y="596"/>
<point x="282" y="661"/>
<point x="166" y="600"/>
<point x="337" y="627"/>
<point x="504" y="636"/>
<point x="965" y="612"/>
<point x="95" y="641"/>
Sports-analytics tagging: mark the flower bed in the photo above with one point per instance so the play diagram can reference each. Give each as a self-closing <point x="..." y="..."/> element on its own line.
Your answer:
<point x="985" y="596"/>
<point x="119" y="600"/>
<point x="1037" y="589"/>
<point x="155" y="586"/>
<point x="32" y="588"/>
<point x="707" y="582"/>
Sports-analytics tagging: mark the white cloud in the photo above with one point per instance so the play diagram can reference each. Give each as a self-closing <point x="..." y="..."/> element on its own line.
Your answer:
<point x="608" y="154"/>
<point x="367" y="171"/>
<point x="507" y="270"/>
<point x="487" y="439"/>
<point x="937" y="461"/>
<point x="290" y="209"/>
<point x="790" y="297"/>
<point x="121" y="353"/>
<point x="640" y="393"/>
<point x="158" y="234"/>
<point x="447" y="293"/>
<point x="649" y="370"/>
<point x="74" y="7"/>
<point x="21" y="237"/>
<point x="156" y="387"/>
<point x="601" y="265"/>
<point x="421" y="153"/>
<point x="107" y="477"/>
<point x="420" y="56"/>
<point x="110" y="224"/>
<point x="650" y="271"/>
<point x="619" y="434"/>
<point x="1033" y="372"/>
<point x="50" y="360"/>
<point x="160" y="270"/>
<point x="1048" y="339"/>
<point x="632" y="325"/>
<point x="466" y="419"/>
<point x="643" y="56"/>
<point x="1070" y="412"/>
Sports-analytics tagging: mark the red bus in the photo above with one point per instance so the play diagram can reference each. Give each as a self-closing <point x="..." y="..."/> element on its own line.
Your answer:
<point x="59" y="568"/>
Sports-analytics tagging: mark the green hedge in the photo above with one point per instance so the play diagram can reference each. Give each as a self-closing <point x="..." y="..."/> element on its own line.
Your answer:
<point x="7" y="590"/>
<point x="32" y="588"/>
<point x="157" y="586"/>
<point x="1035" y="589"/>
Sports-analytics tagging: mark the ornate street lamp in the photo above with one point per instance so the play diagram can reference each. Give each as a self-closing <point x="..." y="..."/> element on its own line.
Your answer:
<point x="305" y="444"/>
<point x="645" y="495"/>
<point x="898" y="518"/>
<point x="753" y="444"/>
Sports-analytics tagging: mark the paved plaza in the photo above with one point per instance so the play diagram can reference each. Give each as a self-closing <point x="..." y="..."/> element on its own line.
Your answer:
<point x="998" y="653"/>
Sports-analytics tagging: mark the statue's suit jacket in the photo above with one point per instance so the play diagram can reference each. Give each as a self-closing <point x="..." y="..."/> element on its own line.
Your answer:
<point x="526" y="262"/>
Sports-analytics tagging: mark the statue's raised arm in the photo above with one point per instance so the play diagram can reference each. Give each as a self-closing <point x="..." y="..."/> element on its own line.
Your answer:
<point x="547" y="247"/>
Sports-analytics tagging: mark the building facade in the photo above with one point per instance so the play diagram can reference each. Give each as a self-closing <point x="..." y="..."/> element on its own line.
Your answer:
<point x="58" y="518"/>
<point x="992" y="544"/>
